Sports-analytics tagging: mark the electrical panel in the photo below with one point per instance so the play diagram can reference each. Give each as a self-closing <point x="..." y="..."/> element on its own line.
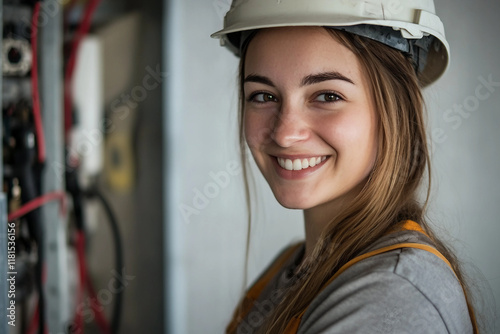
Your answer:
<point x="43" y="200"/>
<point x="21" y="170"/>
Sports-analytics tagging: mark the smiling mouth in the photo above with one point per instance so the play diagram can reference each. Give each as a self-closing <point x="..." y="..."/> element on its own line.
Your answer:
<point x="299" y="164"/>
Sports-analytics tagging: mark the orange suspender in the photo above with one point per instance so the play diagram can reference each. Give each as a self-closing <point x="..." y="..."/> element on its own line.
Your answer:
<point x="293" y="325"/>
<point x="255" y="291"/>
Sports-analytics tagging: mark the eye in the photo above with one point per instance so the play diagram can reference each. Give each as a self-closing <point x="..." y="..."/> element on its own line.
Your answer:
<point x="262" y="97"/>
<point x="328" y="97"/>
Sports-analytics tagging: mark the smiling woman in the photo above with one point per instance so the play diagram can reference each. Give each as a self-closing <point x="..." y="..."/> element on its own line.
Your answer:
<point x="316" y="113"/>
<point x="332" y="113"/>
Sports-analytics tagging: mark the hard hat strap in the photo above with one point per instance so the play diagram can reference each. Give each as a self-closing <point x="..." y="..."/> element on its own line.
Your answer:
<point x="417" y="49"/>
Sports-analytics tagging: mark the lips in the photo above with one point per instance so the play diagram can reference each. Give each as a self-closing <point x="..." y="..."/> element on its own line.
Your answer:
<point x="300" y="164"/>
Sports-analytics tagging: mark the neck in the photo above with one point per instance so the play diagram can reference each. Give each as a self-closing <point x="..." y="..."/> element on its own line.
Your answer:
<point x="316" y="220"/>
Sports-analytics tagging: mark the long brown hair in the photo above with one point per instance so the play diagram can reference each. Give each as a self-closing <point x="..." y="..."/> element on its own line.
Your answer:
<point x="390" y="194"/>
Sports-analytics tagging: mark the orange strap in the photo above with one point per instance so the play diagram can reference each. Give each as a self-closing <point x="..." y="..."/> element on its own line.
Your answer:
<point x="293" y="325"/>
<point x="254" y="292"/>
<point x="409" y="225"/>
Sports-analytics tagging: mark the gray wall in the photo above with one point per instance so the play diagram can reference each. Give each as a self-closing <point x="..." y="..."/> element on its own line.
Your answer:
<point x="205" y="235"/>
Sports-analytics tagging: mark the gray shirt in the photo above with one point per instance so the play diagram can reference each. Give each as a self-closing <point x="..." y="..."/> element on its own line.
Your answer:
<point x="401" y="291"/>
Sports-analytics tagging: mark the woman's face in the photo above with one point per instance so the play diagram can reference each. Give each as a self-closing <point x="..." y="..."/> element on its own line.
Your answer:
<point x="309" y="119"/>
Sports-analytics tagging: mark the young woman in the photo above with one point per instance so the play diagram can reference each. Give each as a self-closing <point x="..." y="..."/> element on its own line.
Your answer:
<point x="332" y="112"/>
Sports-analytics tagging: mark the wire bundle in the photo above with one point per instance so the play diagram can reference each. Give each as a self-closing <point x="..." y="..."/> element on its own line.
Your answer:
<point x="38" y="318"/>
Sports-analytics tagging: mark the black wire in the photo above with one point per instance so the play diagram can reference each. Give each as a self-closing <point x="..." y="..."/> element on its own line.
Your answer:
<point x="29" y="175"/>
<point x="35" y="226"/>
<point x="116" y="314"/>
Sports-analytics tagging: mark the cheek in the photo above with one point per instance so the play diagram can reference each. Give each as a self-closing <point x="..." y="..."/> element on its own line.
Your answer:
<point x="354" y="137"/>
<point x="257" y="129"/>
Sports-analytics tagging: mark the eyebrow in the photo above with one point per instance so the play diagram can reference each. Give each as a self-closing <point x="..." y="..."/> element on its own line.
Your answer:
<point x="325" y="76"/>
<point x="259" y="79"/>
<point x="306" y="81"/>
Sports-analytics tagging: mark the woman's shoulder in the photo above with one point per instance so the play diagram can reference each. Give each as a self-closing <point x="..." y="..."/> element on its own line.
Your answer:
<point x="405" y="290"/>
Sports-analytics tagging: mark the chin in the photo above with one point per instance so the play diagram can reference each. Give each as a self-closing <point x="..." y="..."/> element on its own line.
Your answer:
<point x="294" y="202"/>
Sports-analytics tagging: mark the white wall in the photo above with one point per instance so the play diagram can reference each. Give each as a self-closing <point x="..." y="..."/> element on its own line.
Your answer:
<point x="466" y="147"/>
<point x="207" y="250"/>
<point x="205" y="253"/>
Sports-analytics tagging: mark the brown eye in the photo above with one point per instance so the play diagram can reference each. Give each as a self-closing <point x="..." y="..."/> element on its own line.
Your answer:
<point x="328" y="97"/>
<point x="269" y="98"/>
<point x="263" y="97"/>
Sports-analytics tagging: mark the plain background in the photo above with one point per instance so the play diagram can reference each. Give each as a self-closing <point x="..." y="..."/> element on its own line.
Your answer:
<point x="205" y="238"/>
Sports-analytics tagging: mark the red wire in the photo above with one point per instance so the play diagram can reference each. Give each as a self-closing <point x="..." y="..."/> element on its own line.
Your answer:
<point x="97" y="307"/>
<point x="68" y="102"/>
<point x="34" y="319"/>
<point x="40" y="139"/>
<point x="34" y="84"/>
<point x="82" y="30"/>
<point x="34" y="322"/>
<point x="86" y="283"/>
<point x="38" y="202"/>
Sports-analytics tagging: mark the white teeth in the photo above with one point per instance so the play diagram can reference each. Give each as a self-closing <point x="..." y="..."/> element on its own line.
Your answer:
<point x="299" y="164"/>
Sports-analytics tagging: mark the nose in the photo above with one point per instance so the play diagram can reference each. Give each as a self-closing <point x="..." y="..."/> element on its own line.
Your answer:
<point x="289" y="127"/>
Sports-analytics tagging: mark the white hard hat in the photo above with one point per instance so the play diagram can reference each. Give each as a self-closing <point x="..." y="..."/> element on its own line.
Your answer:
<point x="411" y="26"/>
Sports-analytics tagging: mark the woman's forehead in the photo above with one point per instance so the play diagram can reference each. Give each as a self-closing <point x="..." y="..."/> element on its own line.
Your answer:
<point x="299" y="51"/>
